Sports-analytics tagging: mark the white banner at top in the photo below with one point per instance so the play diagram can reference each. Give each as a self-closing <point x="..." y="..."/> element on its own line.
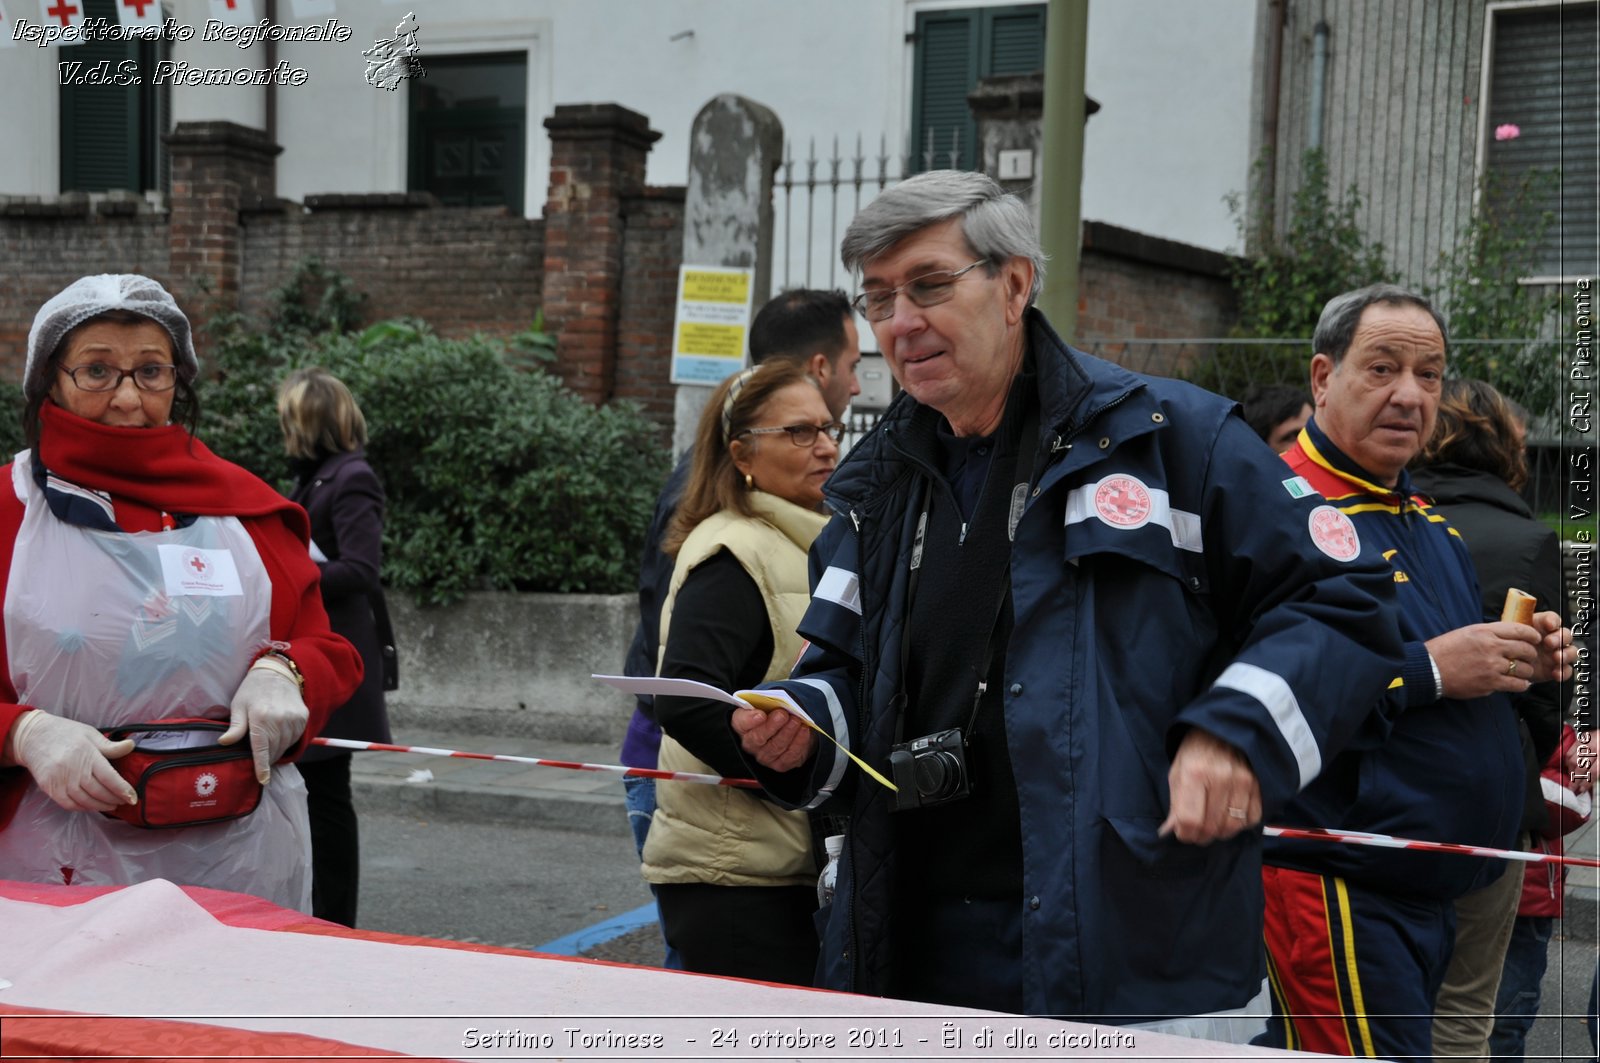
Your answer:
<point x="234" y="12"/>
<point x="139" y="12"/>
<point x="312" y="9"/>
<point x="62" y="13"/>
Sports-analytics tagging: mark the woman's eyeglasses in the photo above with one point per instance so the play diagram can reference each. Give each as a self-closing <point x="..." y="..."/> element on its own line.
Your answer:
<point x="930" y="289"/>
<point x="801" y="435"/>
<point x="97" y="377"/>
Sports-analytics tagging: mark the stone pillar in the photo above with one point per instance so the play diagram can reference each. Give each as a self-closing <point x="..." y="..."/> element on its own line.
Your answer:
<point x="735" y="148"/>
<point x="218" y="168"/>
<point x="1007" y="110"/>
<point x="597" y="157"/>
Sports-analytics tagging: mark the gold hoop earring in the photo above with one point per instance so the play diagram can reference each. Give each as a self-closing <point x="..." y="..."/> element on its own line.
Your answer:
<point x="749" y="482"/>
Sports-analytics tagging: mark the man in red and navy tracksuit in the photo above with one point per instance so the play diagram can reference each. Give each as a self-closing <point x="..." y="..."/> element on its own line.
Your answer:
<point x="1358" y="937"/>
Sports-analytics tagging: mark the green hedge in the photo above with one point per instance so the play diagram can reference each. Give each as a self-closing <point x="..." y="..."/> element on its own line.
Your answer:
<point x="497" y="476"/>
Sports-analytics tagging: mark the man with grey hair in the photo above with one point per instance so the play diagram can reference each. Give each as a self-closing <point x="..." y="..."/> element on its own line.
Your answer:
<point x="1077" y="618"/>
<point x="1350" y="928"/>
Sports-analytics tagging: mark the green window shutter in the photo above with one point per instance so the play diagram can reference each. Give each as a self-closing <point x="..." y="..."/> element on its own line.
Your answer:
<point x="954" y="49"/>
<point x="99" y="123"/>
<point x="1546" y="83"/>
<point x="1016" y="41"/>
<point x="946" y="70"/>
<point x="111" y="134"/>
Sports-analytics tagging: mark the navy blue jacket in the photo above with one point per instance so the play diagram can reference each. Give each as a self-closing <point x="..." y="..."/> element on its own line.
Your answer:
<point x="1451" y="770"/>
<point x="1163" y="577"/>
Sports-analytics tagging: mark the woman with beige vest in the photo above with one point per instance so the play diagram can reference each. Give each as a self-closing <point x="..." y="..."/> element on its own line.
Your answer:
<point x="734" y="874"/>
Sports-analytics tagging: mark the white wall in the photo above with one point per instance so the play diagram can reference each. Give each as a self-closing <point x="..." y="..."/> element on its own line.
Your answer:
<point x="1172" y="76"/>
<point x="30" y="112"/>
<point x="1173" y="134"/>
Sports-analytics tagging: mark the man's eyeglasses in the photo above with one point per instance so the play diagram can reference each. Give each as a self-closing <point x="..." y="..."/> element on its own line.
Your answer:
<point x="930" y="289"/>
<point x="802" y="435"/>
<point x="97" y="377"/>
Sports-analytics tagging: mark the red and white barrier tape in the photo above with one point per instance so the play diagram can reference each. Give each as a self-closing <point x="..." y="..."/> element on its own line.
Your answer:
<point x="1321" y="834"/>
<point x="571" y="765"/>
<point x="1386" y="841"/>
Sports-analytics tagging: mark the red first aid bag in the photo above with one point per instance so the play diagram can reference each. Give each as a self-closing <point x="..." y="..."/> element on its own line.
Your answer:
<point x="182" y="776"/>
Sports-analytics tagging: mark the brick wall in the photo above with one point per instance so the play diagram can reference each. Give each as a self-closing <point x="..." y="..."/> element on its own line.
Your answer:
<point x="602" y="264"/>
<point x="1137" y="287"/>
<point x="652" y="249"/>
<point x="46" y="246"/>
<point x="597" y="161"/>
<point x="462" y="269"/>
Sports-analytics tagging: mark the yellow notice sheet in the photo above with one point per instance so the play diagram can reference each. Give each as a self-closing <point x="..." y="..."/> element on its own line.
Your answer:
<point x="711" y="326"/>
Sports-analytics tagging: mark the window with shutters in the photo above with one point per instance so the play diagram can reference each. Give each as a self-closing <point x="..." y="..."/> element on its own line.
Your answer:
<point x="467" y="125"/>
<point x="111" y="133"/>
<point x="1542" y="116"/>
<point x="954" y="49"/>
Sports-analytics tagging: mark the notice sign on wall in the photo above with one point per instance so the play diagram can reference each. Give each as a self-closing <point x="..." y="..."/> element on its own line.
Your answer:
<point x="708" y="336"/>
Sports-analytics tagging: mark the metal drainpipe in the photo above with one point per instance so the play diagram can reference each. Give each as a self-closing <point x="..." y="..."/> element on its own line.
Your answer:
<point x="1268" y="180"/>
<point x="271" y="115"/>
<point x="1319" y="79"/>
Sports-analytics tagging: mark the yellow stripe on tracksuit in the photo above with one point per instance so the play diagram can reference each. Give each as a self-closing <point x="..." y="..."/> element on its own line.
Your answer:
<point x="1356" y="1007"/>
<point x="1275" y="987"/>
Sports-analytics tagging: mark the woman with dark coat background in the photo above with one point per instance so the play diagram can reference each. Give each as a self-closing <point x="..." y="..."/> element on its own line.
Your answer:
<point x="324" y="433"/>
<point x="1473" y="468"/>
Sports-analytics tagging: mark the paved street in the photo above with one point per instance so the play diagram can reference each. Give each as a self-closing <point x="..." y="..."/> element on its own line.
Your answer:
<point x="527" y="857"/>
<point x="496" y="883"/>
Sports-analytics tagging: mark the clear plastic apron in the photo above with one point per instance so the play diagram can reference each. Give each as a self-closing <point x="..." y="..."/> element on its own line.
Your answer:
<point x="112" y="628"/>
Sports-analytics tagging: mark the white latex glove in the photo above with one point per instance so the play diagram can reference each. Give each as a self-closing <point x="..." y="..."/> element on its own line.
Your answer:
<point x="269" y="706"/>
<point x="71" y="762"/>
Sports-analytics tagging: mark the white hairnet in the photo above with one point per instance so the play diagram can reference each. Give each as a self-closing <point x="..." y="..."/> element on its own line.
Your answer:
<point x="88" y="296"/>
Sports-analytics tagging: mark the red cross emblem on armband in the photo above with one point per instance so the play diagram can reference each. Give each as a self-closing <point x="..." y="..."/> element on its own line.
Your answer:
<point x="1123" y="501"/>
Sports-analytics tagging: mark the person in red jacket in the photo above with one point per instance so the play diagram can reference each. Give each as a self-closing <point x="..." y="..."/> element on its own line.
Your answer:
<point x="147" y="579"/>
<point x="1568" y="806"/>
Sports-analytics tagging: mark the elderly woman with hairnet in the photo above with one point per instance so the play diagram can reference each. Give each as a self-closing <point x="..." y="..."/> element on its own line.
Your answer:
<point x="161" y="609"/>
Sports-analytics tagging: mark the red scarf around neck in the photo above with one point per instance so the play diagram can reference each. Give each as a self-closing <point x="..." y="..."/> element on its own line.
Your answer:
<point x="164" y="469"/>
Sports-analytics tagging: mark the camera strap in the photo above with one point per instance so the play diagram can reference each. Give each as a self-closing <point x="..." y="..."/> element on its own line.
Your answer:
<point x="1029" y="435"/>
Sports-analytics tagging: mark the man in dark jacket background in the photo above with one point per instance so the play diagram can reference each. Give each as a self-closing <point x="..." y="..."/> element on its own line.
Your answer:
<point x="1091" y="630"/>
<point x="1359" y="937"/>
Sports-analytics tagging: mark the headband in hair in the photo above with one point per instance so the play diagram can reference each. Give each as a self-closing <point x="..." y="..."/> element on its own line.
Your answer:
<point x="727" y="402"/>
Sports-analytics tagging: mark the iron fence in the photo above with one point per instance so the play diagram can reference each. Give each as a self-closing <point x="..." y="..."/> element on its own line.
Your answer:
<point x="817" y="196"/>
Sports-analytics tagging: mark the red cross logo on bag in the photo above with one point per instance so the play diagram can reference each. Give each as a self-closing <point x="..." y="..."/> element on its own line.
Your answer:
<point x="195" y="561"/>
<point x="205" y="784"/>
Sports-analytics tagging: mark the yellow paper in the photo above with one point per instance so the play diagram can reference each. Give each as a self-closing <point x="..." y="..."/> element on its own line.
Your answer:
<point x="767" y="704"/>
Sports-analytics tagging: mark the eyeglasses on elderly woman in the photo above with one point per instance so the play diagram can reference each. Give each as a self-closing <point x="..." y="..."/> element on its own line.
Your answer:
<point x="801" y="435"/>
<point x="98" y="377"/>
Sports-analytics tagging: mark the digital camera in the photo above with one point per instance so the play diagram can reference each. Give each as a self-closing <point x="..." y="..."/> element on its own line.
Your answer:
<point x="931" y="770"/>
